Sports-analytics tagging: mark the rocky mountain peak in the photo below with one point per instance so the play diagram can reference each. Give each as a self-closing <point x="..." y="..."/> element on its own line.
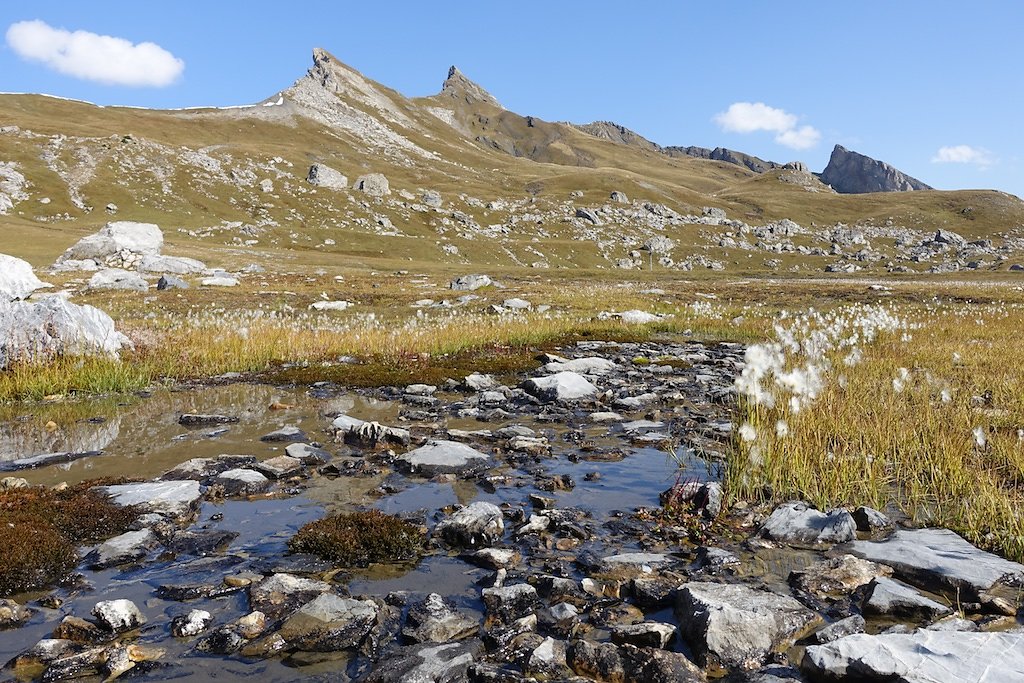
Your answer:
<point x="852" y="173"/>
<point x="459" y="87"/>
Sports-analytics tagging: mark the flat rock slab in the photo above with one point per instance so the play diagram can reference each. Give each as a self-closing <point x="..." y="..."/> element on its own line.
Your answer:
<point x="45" y="459"/>
<point x="585" y="366"/>
<point x="443" y="457"/>
<point x="307" y="453"/>
<point x="285" y="434"/>
<point x="128" y="547"/>
<point x="280" y="594"/>
<point x="919" y="657"/>
<point x="172" y="498"/>
<point x="448" y="662"/>
<point x="801" y="524"/>
<point x="279" y="467"/>
<point x="889" y="597"/>
<point x="737" y="627"/>
<point x="206" y="419"/>
<point x="242" y="482"/>
<point x="329" y="623"/>
<point x="939" y="558"/>
<point x="561" y="386"/>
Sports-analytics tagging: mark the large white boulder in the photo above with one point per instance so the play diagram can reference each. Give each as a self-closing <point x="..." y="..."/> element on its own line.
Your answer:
<point x="116" y="278"/>
<point x="325" y="176"/>
<point x="176" y="265"/>
<point x="32" y="331"/>
<point x="17" y="280"/>
<point x="120" y="244"/>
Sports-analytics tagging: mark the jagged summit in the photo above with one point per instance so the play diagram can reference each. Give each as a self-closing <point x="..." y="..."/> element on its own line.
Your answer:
<point x="850" y="172"/>
<point x="459" y="87"/>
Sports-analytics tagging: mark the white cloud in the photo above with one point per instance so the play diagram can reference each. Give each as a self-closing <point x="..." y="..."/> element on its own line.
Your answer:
<point x="803" y="137"/>
<point x="750" y="117"/>
<point x="964" y="154"/>
<point x="92" y="57"/>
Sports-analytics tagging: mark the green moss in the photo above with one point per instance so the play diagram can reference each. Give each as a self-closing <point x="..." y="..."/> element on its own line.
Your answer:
<point x="359" y="538"/>
<point x="42" y="527"/>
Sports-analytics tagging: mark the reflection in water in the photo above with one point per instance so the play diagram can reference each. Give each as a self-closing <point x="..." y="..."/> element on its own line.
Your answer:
<point x="145" y="439"/>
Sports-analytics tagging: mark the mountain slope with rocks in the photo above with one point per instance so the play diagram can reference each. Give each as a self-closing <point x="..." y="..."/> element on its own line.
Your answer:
<point x="337" y="164"/>
<point x="850" y="172"/>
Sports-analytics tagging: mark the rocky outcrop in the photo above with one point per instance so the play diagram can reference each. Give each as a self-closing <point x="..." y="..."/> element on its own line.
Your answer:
<point x="325" y="176"/>
<point x="849" y="172"/>
<point x="17" y="280"/>
<point x="729" y="156"/>
<point x="458" y="87"/>
<point x="120" y="244"/>
<point x="32" y="331"/>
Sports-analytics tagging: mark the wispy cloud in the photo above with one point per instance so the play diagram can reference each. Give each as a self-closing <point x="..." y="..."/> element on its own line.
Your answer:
<point x="751" y="117"/>
<point x="93" y="57"/>
<point x="964" y="154"/>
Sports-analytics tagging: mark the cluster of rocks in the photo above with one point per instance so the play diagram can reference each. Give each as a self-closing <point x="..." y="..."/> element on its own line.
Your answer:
<point x="559" y="593"/>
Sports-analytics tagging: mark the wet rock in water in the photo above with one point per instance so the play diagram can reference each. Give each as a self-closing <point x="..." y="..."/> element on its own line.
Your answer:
<point x="424" y="663"/>
<point x="280" y="594"/>
<point x="200" y="543"/>
<point x="477" y="524"/>
<point x="645" y="634"/>
<point x="307" y="453"/>
<point x="128" y="547"/>
<point x="653" y="665"/>
<point x="12" y="614"/>
<point x="191" y="591"/>
<point x="223" y="641"/>
<point x="118" y="615"/>
<point x="870" y="520"/>
<point x="598" y="661"/>
<point x="252" y="625"/>
<point x="436" y="620"/>
<point x="713" y="559"/>
<point x="774" y="673"/>
<point x="798" y="523"/>
<point x="371" y="434"/>
<point x="837" y="576"/>
<point x="79" y="630"/>
<point x="288" y="433"/>
<point x="494" y="558"/>
<point x="547" y="660"/>
<point x="170" y="498"/>
<point x="329" y="623"/>
<point x="242" y="482"/>
<point x="892" y="598"/>
<point x="200" y="469"/>
<point x="191" y="624"/>
<point x="651" y="592"/>
<point x="840" y="629"/>
<point x="694" y="496"/>
<point x="919" y="657"/>
<point x="508" y="603"/>
<point x="206" y="419"/>
<point x="626" y="565"/>
<point x="280" y="467"/>
<point x="734" y="626"/>
<point x="940" y="558"/>
<point x="468" y="283"/>
<point x="561" y="386"/>
<point x="74" y="664"/>
<point x="953" y="623"/>
<point x="443" y="457"/>
<point x="595" y="365"/>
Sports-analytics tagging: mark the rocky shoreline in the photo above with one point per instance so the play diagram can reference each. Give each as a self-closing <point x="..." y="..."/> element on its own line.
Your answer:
<point x="549" y="553"/>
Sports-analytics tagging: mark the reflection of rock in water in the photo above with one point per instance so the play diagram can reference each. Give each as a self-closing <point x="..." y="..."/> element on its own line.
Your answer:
<point x="25" y="439"/>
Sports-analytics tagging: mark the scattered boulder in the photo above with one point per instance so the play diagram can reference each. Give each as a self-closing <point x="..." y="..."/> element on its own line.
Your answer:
<point x="170" y="282"/>
<point x="836" y="576"/>
<point x="432" y="198"/>
<point x="800" y="524"/>
<point x="920" y="657"/>
<point x="939" y="557"/>
<point x="619" y="197"/>
<point x="115" y="278"/>
<point x="439" y="456"/>
<point x="17" y="279"/>
<point x="477" y="524"/>
<point x="585" y="366"/>
<point x="176" y="265"/>
<point x="322" y="175"/>
<point x="588" y="215"/>
<point x="734" y="626"/>
<point x="286" y="434"/>
<point x="508" y="603"/>
<point x="561" y="386"/>
<point x="36" y="331"/>
<point x="219" y="281"/>
<point x="870" y="520"/>
<point x="374" y="184"/>
<point x="120" y="244"/>
<point x="468" y="283"/>
<point x="242" y="481"/>
<point x="331" y="305"/>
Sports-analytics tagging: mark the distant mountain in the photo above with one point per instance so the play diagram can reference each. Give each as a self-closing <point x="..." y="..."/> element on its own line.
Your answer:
<point x="849" y="172"/>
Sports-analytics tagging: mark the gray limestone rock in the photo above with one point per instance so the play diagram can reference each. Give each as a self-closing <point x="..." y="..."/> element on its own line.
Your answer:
<point x="940" y="559"/>
<point x="119" y="244"/>
<point x="477" y="524"/>
<point x="800" y="524"/>
<point x="118" y="615"/>
<point x="436" y="620"/>
<point x="242" y="481"/>
<point x="849" y="172"/>
<point x="40" y="330"/>
<point x="840" y="629"/>
<point x="439" y="456"/>
<point x="280" y="594"/>
<point x="561" y="386"/>
<point x="115" y="278"/>
<point x="322" y="175"/>
<point x="919" y="657"/>
<point x="737" y="627"/>
<point x="892" y="598"/>
<point x="128" y="547"/>
<point x="329" y="623"/>
<point x="175" y="265"/>
<point x="17" y="279"/>
<point x="374" y="184"/>
<point x="427" y="663"/>
<point x="170" y="498"/>
<point x="468" y="283"/>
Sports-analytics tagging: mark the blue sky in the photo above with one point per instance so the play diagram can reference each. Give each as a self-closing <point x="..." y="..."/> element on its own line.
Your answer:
<point x="934" y="88"/>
